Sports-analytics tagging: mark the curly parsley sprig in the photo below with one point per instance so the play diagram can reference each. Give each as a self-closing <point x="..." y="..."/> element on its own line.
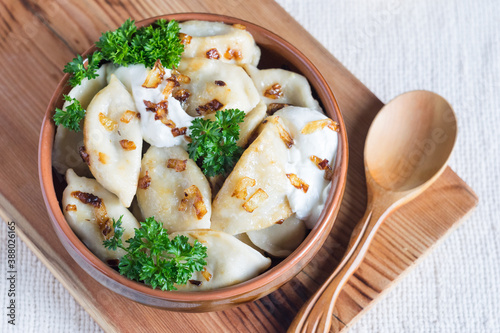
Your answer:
<point x="80" y="70"/>
<point x="71" y="116"/>
<point x="154" y="258"/>
<point x="125" y="46"/>
<point x="214" y="142"/>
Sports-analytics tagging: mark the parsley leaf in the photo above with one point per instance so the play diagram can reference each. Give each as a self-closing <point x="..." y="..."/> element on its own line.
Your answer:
<point x="128" y="45"/>
<point x="155" y="259"/>
<point x="81" y="70"/>
<point x="115" y="45"/>
<point x="214" y="142"/>
<point x="71" y="116"/>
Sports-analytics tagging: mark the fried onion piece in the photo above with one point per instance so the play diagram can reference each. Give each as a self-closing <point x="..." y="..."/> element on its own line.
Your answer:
<point x="144" y="182"/>
<point x="178" y="165"/>
<point x="297" y="182"/>
<point x="101" y="214"/>
<point x="255" y="200"/>
<point x="284" y="135"/>
<point x="240" y="190"/>
<point x="155" y="76"/>
<point x="316" y="125"/>
<point x="323" y="164"/>
<point x="193" y="194"/>
<point x="128" y="116"/>
<point x="206" y="274"/>
<point x="108" y="123"/>
<point x="274" y="92"/>
<point x="128" y="145"/>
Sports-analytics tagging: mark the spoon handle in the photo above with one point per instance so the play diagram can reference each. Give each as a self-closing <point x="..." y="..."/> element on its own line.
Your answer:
<point x="316" y="314"/>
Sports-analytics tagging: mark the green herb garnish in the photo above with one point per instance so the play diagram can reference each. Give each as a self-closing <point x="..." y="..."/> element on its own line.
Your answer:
<point x="71" y="116"/>
<point x="129" y="45"/>
<point x="79" y="70"/>
<point x="125" y="46"/>
<point x="214" y="142"/>
<point x="155" y="259"/>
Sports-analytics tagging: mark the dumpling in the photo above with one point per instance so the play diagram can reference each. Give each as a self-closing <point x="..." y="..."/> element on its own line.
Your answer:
<point x="173" y="189"/>
<point x="113" y="140"/>
<point x="280" y="239"/>
<point x="90" y="209"/>
<point x="164" y="122"/>
<point x="310" y="160"/>
<point x="67" y="143"/>
<point x="254" y="194"/>
<point x="214" y="85"/>
<point x="229" y="261"/>
<point x="250" y="124"/>
<point x="216" y="40"/>
<point x="278" y="86"/>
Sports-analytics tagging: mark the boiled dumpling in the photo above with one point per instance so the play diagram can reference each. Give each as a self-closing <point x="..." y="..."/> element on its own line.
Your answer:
<point x="254" y="194"/>
<point x="278" y="86"/>
<point x="310" y="160"/>
<point x="67" y="143"/>
<point x="280" y="239"/>
<point x="229" y="261"/>
<point x="161" y="130"/>
<point x="250" y="124"/>
<point x="214" y="85"/>
<point x="90" y="209"/>
<point x="173" y="189"/>
<point x="113" y="140"/>
<point x="219" y="41"/>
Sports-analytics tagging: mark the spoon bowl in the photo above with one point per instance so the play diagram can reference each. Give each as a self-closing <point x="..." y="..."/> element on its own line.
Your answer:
<point x="410" y="141"/>
<point x="406" y="150"/>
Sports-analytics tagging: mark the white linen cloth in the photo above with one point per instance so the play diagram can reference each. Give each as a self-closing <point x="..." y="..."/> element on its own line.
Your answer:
<point x="449" y="47"/>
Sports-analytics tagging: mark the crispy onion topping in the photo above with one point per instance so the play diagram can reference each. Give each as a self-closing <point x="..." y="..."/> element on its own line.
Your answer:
<point x="193" y="194"/>
<point x="144" y="181"/>
<point x="155" y="76"/>
<point x="108" y="123"/>
<point x="103" y="158"/>
<point x="206" y="274"/>
<point x="297" y="182"/>
<point x="316" y="125"/>
<point x="274" y="91"/>
<point x="213" y="54"/>
<point x="323" y="164"/>
<point x="240" y="191"/>
<point x="100" y="212"/>
<point x="284" y="135"/>
<point x="255" y="200"/>
<point x="185" y="39"/>
<point x="128" y="145"/>
<point x="178" y="165"/>
<point x="128" y="116"/>
<point x="233" y="54"/>
<point x="211" y="107"/>
<point x="273" y="107"/>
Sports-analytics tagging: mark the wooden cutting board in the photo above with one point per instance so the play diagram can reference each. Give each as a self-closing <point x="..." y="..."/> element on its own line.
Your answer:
<point x="36" y="41"/>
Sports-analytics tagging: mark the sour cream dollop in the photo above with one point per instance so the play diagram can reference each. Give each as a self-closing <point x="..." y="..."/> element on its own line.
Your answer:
<point x="321" y="143"/>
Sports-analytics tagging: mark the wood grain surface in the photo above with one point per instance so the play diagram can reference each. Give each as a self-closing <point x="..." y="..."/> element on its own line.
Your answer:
<point x="37" y="38"/>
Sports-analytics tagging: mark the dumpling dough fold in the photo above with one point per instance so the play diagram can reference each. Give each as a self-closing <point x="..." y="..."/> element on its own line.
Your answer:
<point x="85" y="218"/>
<point x="113" y="140"/>
<point x="162" y="189"/>
<point x="229" y="261"/>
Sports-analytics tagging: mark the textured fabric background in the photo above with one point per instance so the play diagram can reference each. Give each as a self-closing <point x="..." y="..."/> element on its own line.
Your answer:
<point x="450" y="47"/>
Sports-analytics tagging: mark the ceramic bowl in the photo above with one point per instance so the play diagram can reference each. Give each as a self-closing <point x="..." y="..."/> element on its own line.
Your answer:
<point x="276" y="53"/>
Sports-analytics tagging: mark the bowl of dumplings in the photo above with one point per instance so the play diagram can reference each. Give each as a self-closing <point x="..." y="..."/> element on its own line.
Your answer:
<point x="258" y="222"/>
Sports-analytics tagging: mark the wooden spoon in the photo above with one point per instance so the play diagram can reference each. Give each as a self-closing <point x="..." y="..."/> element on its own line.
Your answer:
<point x="407" y="148"/>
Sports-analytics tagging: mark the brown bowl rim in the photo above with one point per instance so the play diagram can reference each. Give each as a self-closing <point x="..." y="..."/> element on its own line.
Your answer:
<point x="322" y="226"/>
